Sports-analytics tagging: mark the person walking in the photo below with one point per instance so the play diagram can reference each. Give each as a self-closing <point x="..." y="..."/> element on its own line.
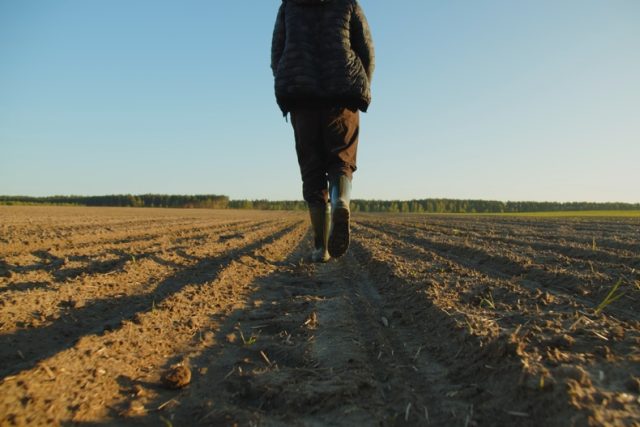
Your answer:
<point x="322" y="59"/>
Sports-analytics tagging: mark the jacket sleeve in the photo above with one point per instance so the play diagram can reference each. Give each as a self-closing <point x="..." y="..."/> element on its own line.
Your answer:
<point x="278" y="41"/>
<point x="361" y="40"/>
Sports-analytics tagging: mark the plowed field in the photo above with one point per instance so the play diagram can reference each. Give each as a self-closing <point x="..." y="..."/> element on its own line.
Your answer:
<point x="428" y="320"/>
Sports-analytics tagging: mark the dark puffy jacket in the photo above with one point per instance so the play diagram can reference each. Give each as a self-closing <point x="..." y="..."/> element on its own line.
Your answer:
<point x="322" y="55"/>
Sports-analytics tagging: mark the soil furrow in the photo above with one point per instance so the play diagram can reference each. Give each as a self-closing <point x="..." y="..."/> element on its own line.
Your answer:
<point x="309" y="348"/>
<point x="620" y="235"/>
<point x="415" y="386"/>
<point x="96" y="238"/>
<point x="134" y="273"/>
<point x="125" y="364"/>
<point x="545" y="347"/>
<point x="108" y="256"/>
<point x="22" y="349"/>
<point x="571" y="246"/>
<point x="585" y="285"/>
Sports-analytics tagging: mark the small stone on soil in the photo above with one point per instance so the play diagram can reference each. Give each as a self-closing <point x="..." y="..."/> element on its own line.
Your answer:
<point x="562" y="341"/>
<point x="138" y="390"/>
<point x="633" y="384"/>
<point x="178" y="376"/>
<point x="547" y="298"/>
<point x="618" y="332"/>
<point x="575" y="373"/>
<point x="135" y="409"/>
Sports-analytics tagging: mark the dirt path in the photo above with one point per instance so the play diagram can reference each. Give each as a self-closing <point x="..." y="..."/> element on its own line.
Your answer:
<point x="417" y="325"/>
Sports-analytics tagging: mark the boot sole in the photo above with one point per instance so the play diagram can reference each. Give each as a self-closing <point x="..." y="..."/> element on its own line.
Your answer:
<point x="339" y="238"/>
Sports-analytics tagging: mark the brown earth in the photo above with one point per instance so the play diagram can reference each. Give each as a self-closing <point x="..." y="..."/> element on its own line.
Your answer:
<point x="428" y="320"/>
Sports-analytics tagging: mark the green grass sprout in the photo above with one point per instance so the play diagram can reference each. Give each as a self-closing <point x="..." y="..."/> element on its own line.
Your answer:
<point x="488" y="301"/>
<point x="612" y="296"/>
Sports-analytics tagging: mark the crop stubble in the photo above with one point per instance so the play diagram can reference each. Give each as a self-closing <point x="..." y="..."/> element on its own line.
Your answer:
<point x="440" y="320"/>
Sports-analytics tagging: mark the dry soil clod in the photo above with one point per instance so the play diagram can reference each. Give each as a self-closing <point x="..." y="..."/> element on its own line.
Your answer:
<point x="178" y="376"/>
<point x="633" y="384"/>
<point x="135" y="409"/>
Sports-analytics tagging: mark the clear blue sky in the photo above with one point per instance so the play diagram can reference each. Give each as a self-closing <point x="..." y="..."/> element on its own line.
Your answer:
<point x="491" y="99"/>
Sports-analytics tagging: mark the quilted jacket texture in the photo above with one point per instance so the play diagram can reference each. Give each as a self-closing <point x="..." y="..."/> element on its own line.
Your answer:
<point x="322" y="55"/>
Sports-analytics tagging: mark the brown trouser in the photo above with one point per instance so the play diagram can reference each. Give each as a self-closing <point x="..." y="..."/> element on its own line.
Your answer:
<point x="326" y="144"/>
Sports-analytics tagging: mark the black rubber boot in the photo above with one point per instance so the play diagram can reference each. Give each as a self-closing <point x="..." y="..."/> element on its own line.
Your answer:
<point x="320" y="223"/>
<point x="340" y="193"/>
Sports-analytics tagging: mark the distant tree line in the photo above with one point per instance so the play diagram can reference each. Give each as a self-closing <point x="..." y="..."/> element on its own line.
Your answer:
<point x="397" y="206"/>
<point x="127" y="200"/>
<point x="282" y="205"/>
<point x="481" y="206"/>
